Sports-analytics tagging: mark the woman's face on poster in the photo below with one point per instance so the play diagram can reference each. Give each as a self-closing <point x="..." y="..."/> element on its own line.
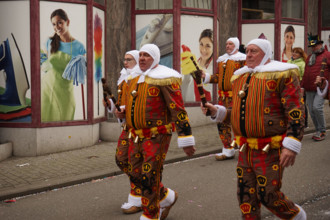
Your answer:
<point x="205" y="48"/>
<point x="289" y="39"/>
<point x="60" y="26"/>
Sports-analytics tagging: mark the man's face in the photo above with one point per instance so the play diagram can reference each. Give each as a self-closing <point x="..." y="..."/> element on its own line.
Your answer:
<point x="316" y="47"/>
<point x="254" y="55"/>
<point x="145" y="61"/>
<point x="129" y="61"/>
<point x="230" y="46"/>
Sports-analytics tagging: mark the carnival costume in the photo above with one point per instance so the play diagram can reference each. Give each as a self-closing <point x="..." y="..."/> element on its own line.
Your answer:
<point x="227" y="65"/>
<point x="133" y="204"/>
<point x="57" y="94"/>
<point x="154" y="108"/>
<point x="267" y="115"/>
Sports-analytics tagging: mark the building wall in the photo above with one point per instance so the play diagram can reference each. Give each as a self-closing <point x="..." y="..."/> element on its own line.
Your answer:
<point x="228" y="14"/>
<point x="118" y="34"/>
<point x="312" y="19"/>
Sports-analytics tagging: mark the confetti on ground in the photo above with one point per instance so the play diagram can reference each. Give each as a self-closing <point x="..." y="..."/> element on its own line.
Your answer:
<point x="22" y="165"/>
<point x="10" y="200"/>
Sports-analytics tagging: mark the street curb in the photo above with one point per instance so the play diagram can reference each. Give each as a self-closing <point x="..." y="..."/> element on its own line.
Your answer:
<point x="84" y="178"/>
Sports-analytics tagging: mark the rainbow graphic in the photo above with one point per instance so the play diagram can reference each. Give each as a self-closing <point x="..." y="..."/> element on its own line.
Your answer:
<point x="98" y="48"/>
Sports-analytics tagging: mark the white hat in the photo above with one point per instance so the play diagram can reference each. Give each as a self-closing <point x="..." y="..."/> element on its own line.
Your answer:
<point x="236" y="43"/>
<point x="265" y="46"/>
<point x="153" y="51"/>
<point x="135" y="54"/>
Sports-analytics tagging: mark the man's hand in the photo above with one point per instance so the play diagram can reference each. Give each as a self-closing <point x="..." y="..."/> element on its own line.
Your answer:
<point x="287" y="157"/>
<point x="189" y="150"/>
<point x="203" y="74"/>
<point x="120" y="114"/>
<point x="105" y="104"/>
<point x="211" y="107"/>
<point x="319" y="80"/>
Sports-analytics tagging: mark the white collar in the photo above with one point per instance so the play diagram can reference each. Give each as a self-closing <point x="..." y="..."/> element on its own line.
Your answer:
<point x="236" y="57"/>
<point x="272" y="66"/>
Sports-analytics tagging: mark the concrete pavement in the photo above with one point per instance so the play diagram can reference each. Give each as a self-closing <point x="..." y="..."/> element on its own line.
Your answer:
<point x="21" y="176"/>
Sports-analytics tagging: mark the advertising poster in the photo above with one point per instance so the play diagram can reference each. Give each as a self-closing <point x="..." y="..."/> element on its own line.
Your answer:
<point x="15" y="74"/>
<point x="199" y="40"/>
<point x="98" y="61"/>
<point x="63" y="61"/>
<point x="291" y="36"/>
<point x="156" y="29"/>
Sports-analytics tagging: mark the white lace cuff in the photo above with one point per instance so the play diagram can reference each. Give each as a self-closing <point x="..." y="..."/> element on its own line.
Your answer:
<point x="221" y="114"/>
<point x="186" y="141"/>
<point x="111" y="108"/>
<point x="207" y="78"/>
<point x="292" y="144"/>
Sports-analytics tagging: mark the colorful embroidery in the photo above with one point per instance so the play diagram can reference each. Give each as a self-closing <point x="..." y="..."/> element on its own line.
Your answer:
<point x="175" y="86"/>
<point x="182" y="116"/>
<point x="153" y="91"/>
<point x="239" y="172"/>
<point x="288" y="81"/>
<point x="267" y="110"/>
<point x="129" y="167"/>
<point x="295" y="114"/>
<point x="146" y="167"/>
<point x="245" y="208"/>
<point x="271" y="85"/>
<point x="262" y="180"/>
<point x="172" y="105"/>
<point x="274" y="182"/>
<point x="145" y="201"/>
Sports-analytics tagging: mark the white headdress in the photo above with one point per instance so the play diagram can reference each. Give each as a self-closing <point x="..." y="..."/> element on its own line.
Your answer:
<point x="265" y="46"/>
<point x="154" y="52"/>
<point x="236" y="43"/>
<point x="135" y="54"/>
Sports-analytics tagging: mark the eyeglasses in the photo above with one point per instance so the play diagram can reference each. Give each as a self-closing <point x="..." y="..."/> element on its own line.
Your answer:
<point x="128" y="60"/>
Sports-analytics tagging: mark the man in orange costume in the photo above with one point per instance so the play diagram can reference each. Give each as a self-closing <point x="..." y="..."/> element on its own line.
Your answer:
<point x="228" y="63"/>
<point x="153" y="109"/>
<point x="267" y="121"/>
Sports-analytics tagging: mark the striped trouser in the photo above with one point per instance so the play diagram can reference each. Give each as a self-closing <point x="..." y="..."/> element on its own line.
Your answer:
<point x="145" y="167"/>
<point x="259" y="182"/>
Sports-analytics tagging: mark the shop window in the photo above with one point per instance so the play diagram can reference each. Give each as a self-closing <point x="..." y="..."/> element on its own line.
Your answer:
<point x="203" y="4"/>
<point x="200" y="42"/>
<point x="153" y="4"/>
<point x="259" y="9"/>
<point x="325" y="14"/>
<point x="156" y="29"/>
<point x="99" y="1"/>
<point x="293" y="9"/>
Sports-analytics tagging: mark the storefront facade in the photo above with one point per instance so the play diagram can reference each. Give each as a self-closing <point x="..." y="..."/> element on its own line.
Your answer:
<point x="40" y="114"/>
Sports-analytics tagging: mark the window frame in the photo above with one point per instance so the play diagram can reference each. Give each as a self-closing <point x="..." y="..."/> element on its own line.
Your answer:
<point x="177" y="11"/>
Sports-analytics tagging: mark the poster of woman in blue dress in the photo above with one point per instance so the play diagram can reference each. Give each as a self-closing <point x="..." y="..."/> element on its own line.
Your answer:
<point x="63" y="64"/>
